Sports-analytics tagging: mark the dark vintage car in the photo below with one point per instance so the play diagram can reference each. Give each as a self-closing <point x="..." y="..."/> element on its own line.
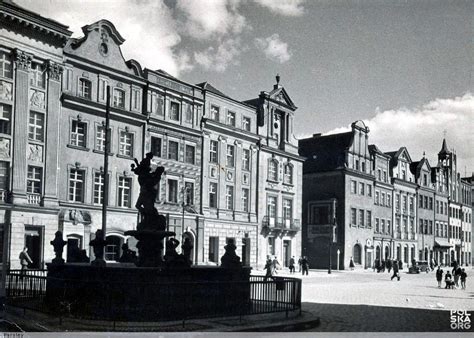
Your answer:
<point x="419" y="266"/>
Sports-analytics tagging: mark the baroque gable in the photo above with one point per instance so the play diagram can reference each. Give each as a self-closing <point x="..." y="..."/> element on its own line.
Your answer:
<point x="101" y="44"/>
<point x="280" y="95"/>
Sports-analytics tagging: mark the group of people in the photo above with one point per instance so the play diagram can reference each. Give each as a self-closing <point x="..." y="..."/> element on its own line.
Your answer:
<point x="272" y="265"/>
<point x="389" y="264"/>
<point x="452" y="279"/>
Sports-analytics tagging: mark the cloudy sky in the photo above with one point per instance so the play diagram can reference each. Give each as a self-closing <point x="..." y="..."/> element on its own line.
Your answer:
<point x="404" y="67"/>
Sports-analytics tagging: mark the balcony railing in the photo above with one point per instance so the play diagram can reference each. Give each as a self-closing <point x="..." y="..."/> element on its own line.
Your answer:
<point x="34" y="199"/>
<point x="279" y="223"/>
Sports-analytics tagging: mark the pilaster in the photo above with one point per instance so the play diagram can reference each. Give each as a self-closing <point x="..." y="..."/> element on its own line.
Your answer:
<point x="52" y="134"/>
<point x="22" y="62"/>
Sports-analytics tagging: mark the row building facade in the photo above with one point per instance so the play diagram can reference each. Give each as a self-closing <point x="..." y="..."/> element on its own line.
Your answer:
<point x="225" y="160"/>
<point x="362" y="204"/>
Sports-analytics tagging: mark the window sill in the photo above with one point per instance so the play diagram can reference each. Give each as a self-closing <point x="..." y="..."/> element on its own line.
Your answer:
<point x="101" y="152"/>
<point x="125" y="157"/>
<point x="288" y="184"/>
<point x="77" y="147"/>
<point x="272" y="181"/>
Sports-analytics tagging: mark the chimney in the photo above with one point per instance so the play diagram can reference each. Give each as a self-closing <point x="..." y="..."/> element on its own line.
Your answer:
<point x="316" y="135"/>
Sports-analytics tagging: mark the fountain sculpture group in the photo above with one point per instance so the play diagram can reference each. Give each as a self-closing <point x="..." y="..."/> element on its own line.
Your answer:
<point x="89" y="285"/>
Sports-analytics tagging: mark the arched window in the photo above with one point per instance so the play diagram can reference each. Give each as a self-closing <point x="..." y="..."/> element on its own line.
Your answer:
<point x="387" y="252"/>
<point x="405" y="254"/>
<point x="84" y="89"/>
<point x="357" y="254"/>
<point x="273" y="170"/>
<point x="288" y="174"/>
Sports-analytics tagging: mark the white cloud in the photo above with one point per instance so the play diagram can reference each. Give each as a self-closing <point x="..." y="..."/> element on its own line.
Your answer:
<point x="208" y="19"/>
<point x="151" y="40"/>
<point x="421" y="129"/>
<point x="283" y="7"/>
<point x="218" y="59"/>
<point x="274" y="48"/>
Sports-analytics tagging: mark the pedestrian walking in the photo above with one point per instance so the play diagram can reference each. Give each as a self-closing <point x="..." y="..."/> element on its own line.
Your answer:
<point x="276" y="265"/>
<point x="439" y="276"/>
<point x="300" y="262"/>
<point x="305" y="265"/>
<point x="351" y="264"/>
<point x="400" y="265"/>
<point x="395" y="271"/>
<point x="268" y="269"/>
<point x="463" y="279"/>
<point x="25" y="259"/>
<point x="292" y="264"/>
<point x="457" y="275"/>
<point x="389" y="265"/>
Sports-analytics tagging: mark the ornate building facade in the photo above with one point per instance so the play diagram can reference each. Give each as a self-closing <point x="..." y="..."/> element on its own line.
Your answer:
<point x="224" y="159"/>
<point x="363" y="204"/>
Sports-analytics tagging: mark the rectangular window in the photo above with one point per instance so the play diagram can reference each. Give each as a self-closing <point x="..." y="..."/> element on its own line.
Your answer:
<point x="231" y="118"/>
<point x="229" y="197"/>
<point x="379" y="174"/>
<point x="361" y="218"/>
<point x="353" y="216"/>
<point x="5" y="65"/>
<point x="437" y="207"/>
<point x="214" y="249"/>
<point x="36" y="75"/>
<point x="430" y="204"/>
<point x="36" y="127"/>
<point x="76" y="185"/>
<point x="405" y="204"/>
<point x="382" y="199"/>
<point x="78" y="134"/>
<point x="430" y="229"/>
<point x="215" y="113"/>
<point x="230" y="162"/>
<point x="384" y="176"/>
<point x="288" y="174"/>
<point x="389" y="200"/>
<point x="377" y="226"/>
<point x="156" y="146"/>
<point x="189" y="189"/>
<point x="100" y="138"/>
<point x="119" y="98"/>
<point x="425" y="202"/>
<point x="245" y="199"/>
<point x="245" y="159"/>
<point x="369" y="190"/>
<point x="363" y="166"/>
<point x="246" y="123"/>
<point x="188" y="116"/>
<point x="102" y="89"/>
<point x="271" y="206"/>
<point x="369" y="219"/>
<point x="174" y="111"/>
<point x="98" y="188"/>
<point x="34" y="180"/>
<point x="172" y="191"/>
<point x="383" y="225"/>
<point x="84" y="89"/>
<point x="135" y="99"/>
<point x="389" y="224"/>
<point x="126" y="144"/>
<point x="4" y="175"/>
<point x="354" y="187"/>
<point x="5" y="118"/>
<point x="124" y="191"/>
<point x="397" y="202"/>
<point x="357" y="165"/>
<point x="190" y="154"/>
<point x="420" y="202"/>
<point x="173" y="150"/>
<point x="361" y="189"/>
<point x="287" y="209"/>
<point x="212" y="195"/>
<point x="271" y="245"/>
<point x="213" y="151"/>
<point x="377" y="198"/>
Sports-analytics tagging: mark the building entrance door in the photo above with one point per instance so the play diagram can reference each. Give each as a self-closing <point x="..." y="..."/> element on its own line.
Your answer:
<point x="246" y="251"/>
<point x="286" y="252"/>
<point x="34" y="243"/>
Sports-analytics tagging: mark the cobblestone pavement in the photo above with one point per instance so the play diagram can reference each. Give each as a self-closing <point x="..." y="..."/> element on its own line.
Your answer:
<point x="363" y="300"/>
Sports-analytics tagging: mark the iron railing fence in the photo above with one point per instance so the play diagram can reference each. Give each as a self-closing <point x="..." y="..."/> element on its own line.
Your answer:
<point x="154" y="302"/>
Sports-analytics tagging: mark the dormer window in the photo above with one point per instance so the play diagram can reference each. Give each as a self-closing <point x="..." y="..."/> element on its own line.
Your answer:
<point x="231" y="118"/>
<point x="84" y="89"/>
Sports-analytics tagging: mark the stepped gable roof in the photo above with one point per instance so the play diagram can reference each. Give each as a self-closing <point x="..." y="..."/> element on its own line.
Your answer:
<point x="325" y="153"/>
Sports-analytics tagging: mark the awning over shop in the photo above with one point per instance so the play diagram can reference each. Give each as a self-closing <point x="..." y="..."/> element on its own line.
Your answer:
<point x="442" y="245"/>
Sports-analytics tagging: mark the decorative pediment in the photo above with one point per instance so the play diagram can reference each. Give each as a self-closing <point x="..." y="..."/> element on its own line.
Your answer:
<point x="282" y="96"/>
<point x="403" y="155"/>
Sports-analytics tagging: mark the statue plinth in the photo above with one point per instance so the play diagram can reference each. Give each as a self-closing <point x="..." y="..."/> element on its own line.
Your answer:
<point x="150" y="246"/>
